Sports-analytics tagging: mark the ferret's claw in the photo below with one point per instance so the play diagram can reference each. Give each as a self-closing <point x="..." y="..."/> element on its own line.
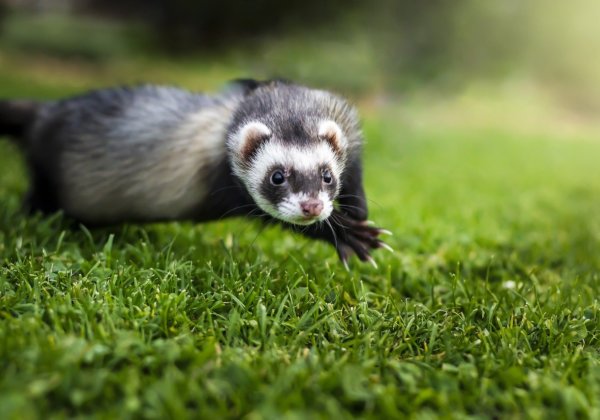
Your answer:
<point x="386" y="246"/>
<point x="345" y="262"/>
<point x="372" y="262"/>
<point x="385" y="232"/>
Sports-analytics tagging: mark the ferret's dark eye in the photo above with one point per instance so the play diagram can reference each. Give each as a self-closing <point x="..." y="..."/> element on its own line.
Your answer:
<point x="277" y="178"/>
<point x="327" y="178"/>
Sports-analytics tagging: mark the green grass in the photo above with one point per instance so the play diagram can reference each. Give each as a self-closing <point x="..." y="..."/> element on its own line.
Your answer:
<point x="488" y="307"/>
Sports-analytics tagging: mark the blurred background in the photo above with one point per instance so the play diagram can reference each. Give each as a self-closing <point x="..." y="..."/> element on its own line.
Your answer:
<point x="531" y="65"/>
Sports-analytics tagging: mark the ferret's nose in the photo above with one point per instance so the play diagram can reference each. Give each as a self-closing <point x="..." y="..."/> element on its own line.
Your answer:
<point x="311" y="207"/>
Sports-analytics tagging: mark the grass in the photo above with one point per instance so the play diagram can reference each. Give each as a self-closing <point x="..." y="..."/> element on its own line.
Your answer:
<point x="488" y="307"/>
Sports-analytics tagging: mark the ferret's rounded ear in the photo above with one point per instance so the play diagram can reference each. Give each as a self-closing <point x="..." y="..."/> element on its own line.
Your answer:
<point x="330" y="132"/>
<point x="251" y="136"/>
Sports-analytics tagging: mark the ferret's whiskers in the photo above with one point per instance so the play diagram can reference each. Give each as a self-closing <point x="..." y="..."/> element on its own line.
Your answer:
<point x="235" y="209"/>
<point x="334" y="218"/>
<point x="349" y="206"/>
<point x="360" y="198"/>
<point x="224" y="188"/>
<point x="333" y="232"/>
<point x="261" y="230"/>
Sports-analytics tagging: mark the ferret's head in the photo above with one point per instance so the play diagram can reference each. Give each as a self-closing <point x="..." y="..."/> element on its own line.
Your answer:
<point x="292" y="179"/>
<point x="289" y="145"/>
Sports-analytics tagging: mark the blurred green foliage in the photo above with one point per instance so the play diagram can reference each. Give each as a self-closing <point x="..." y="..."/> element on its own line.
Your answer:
<point x="383" y="46"/>
<point x="65" y="36"/>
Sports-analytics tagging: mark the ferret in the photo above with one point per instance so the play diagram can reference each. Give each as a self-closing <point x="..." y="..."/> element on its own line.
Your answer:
<point x="270" y="149"/>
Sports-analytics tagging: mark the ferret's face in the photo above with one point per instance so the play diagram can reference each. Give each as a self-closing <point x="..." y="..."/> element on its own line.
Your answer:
<point x="293" y="182"/>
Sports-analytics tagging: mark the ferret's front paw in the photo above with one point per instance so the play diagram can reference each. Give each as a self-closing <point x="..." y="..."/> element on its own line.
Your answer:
<point x="358" y="237"/>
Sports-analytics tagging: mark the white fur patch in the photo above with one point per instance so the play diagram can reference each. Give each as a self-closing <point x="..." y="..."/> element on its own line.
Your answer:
<point x="330" y="130"/>
<point x="290" y="209"/>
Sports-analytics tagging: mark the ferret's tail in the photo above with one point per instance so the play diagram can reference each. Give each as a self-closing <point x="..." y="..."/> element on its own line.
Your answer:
<point x="16" y="116"/>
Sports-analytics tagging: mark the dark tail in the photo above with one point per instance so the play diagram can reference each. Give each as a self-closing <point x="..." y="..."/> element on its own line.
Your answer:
<point x="16" y="116"/>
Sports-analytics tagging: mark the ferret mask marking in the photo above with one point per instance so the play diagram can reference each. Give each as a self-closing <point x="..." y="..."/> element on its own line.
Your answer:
<point x="259" y="154"/>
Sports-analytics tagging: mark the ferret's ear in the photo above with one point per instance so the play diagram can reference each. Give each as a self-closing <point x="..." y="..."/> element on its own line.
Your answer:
<point x="330" y="132"/>
<point x="251" y="136"/>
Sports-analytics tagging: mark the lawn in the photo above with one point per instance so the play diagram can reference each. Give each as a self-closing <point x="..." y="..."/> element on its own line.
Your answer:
<point x="488" y="306"/>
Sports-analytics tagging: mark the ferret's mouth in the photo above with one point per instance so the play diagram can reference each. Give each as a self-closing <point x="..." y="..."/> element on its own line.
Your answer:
<point x="302" y="220"/>
<point x="308" y="220"/>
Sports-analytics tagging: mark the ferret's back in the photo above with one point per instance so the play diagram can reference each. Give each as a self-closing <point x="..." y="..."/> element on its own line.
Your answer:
<point x="132" y="153"/>
<point x="122" y="109"/>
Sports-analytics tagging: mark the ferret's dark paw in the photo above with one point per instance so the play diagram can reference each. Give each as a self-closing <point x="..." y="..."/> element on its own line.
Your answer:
<point x="358" y="237"/>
